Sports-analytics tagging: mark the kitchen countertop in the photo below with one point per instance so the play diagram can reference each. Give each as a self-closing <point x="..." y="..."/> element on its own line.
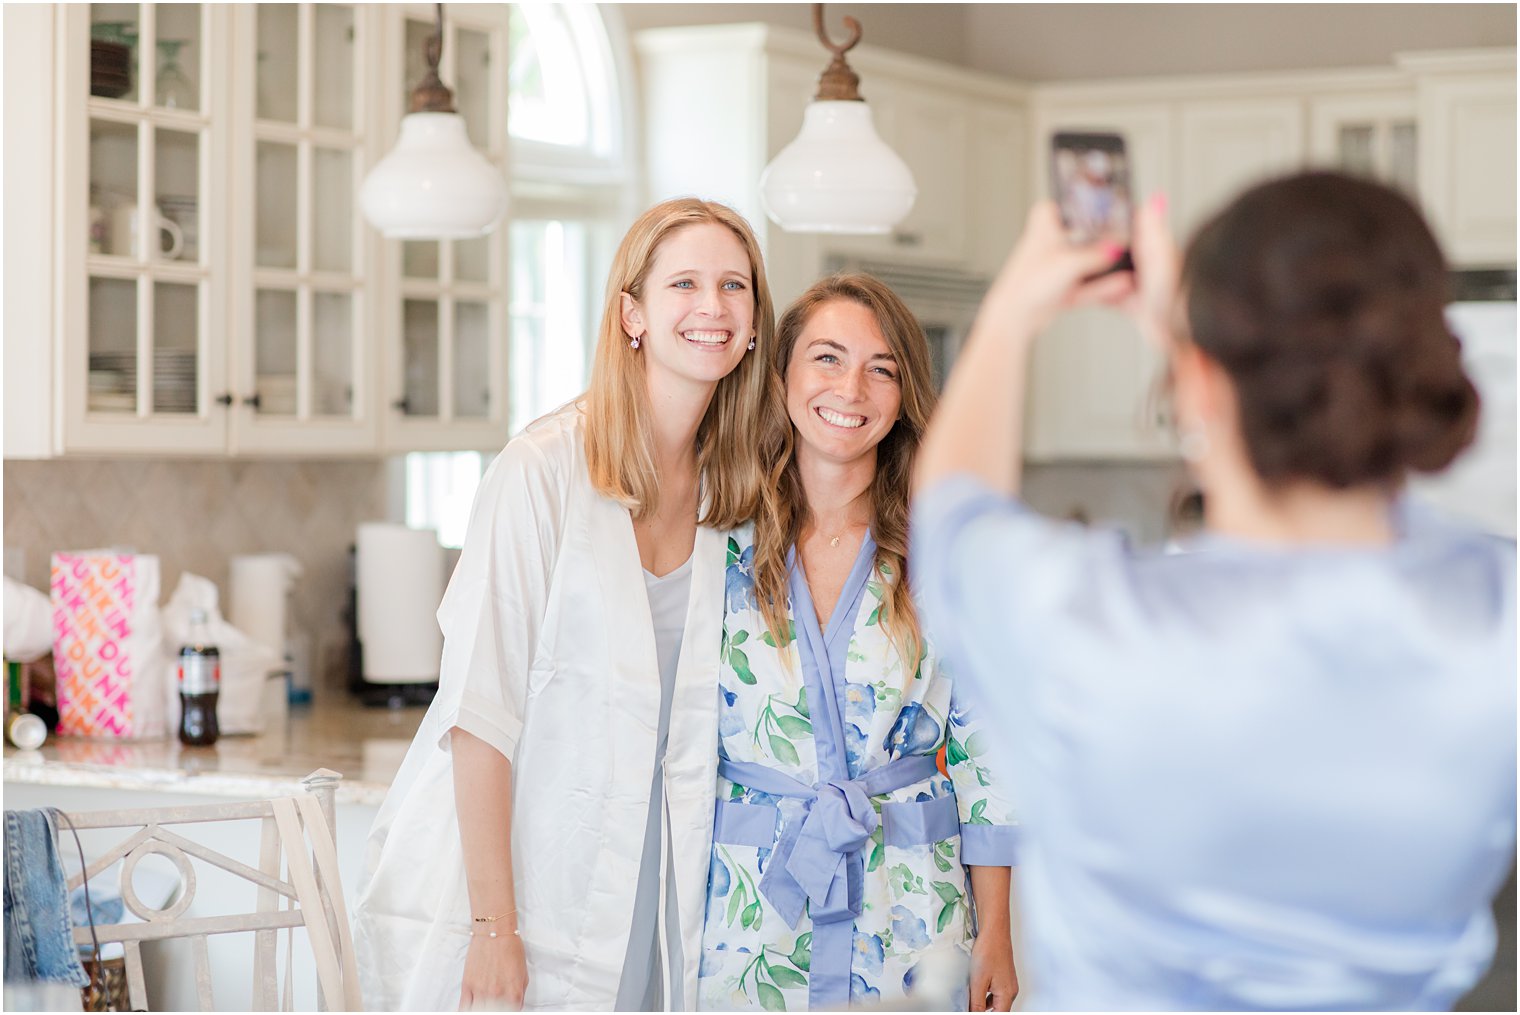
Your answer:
<point x="364" y="745"/>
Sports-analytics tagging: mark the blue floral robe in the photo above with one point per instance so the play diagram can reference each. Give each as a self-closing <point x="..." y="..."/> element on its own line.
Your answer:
<point x="839" y="843"/>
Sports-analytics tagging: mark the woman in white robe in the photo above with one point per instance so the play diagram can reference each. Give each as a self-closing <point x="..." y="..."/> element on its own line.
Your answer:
<point x="546" y="840"/>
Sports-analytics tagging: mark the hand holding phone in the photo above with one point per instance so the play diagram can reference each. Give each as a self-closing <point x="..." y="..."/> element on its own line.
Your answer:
<point x="1089" y="177"/>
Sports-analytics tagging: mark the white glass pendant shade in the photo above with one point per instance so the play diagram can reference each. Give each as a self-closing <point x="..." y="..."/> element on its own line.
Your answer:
<point x="433" y="184"/>
<point x="838" y="176"/>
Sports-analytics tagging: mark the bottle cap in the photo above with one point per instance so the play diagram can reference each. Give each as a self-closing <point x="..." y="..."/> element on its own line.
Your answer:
<point x="27" y="731"/>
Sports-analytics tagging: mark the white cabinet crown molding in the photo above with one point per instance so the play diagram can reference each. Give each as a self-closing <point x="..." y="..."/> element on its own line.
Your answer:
<point x="1458" y="61"/>
<point x="864" y="59"/>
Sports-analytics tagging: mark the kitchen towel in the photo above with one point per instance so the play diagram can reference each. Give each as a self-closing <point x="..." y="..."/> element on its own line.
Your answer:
<point x="107" y="645"/>
<point x="400" y="584"/>
<point x="28" y="622"/>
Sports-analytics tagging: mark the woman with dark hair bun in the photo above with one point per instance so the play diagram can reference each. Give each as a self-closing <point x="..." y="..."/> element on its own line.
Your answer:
<point x="1275" y="770"/>
<point x="1323" y="299"/>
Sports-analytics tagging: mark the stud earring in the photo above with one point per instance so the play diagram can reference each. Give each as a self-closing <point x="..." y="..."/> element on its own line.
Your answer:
<point x="633" y="343"/>
<point x="1193" y="443"/>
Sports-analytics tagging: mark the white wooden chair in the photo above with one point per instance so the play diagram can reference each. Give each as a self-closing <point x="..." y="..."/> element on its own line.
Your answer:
<point x="296" y="830"/>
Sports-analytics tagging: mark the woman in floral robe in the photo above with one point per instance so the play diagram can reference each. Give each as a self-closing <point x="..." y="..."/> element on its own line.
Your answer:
<point x="853" y="793"/>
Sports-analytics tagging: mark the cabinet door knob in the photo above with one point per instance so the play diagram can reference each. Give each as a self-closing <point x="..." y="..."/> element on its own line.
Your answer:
<point x="253" y="401"/>
<point x="225" y="398"/>
<point x="401" y="405"/>
<point x="907" y="239"/>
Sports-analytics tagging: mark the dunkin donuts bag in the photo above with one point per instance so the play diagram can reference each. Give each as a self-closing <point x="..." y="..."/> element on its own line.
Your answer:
<point x="107" y="645"/>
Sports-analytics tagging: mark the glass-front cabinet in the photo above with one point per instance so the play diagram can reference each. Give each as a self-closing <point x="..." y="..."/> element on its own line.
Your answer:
<point x="448" y="322"/>
<point x="145" y="273"/>
<point x="305" y="377"/>
<point x="1373" y="134"/>
<point x="220" y="292"/>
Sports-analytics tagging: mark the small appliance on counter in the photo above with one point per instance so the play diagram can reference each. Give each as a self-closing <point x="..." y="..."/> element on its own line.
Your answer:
<point x="398" y="584"/>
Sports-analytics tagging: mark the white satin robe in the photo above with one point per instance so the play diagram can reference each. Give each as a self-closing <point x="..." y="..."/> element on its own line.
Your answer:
<point x="549" y="656"/>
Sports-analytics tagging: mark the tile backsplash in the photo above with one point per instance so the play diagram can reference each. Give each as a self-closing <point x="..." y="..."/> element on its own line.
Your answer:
<point x="197" y="515"/>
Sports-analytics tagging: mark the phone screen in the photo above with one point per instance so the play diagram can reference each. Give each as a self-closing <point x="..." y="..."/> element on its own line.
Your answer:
<point x="1090" y="179"/>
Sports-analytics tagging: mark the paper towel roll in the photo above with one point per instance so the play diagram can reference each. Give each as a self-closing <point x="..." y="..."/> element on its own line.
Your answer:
<point x="260" y="587"/>
<point x="400" y="584"/>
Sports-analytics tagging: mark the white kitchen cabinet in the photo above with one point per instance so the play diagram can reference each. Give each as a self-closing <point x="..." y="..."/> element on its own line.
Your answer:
<point x="1467" y="165"/>
<point x="747" y="86"/>
<point x="304" y="366"/>
<point x="1226" y="145"/>
<point x="1440" y="126"/>
<point x="255" y="312"/>
<point x="1373" y="134"/>
<point x="997" y="189"/>
<point x="143" y="276"/>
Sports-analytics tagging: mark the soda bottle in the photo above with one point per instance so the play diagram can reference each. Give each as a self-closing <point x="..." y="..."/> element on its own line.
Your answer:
<point x="200" y="681"/>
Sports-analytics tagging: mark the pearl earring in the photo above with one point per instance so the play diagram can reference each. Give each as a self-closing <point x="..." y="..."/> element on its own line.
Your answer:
<point x="1193" y="443"/>
<point x="633" y="343"/>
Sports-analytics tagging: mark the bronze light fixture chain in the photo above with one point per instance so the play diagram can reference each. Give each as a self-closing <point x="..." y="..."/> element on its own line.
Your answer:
<point x="838" y="82"/>
<point x="431" y="95"/>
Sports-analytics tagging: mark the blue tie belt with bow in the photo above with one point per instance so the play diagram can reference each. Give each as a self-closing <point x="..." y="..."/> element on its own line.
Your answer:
<point x="818" y="860"/>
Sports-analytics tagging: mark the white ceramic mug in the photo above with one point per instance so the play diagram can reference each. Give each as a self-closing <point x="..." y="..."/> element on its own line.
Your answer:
<point x="124" y="223"/>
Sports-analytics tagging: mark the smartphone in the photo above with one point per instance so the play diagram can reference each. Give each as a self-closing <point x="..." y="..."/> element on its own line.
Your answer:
<point x="1089" y="176"/>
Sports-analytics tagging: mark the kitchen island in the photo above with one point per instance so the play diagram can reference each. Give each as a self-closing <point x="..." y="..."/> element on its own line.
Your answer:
<point x="364" y="745"/>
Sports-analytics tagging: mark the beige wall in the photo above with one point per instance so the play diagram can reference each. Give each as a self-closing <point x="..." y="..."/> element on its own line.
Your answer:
<point x="1063" y="42"/>
<point x="195" y="516"/>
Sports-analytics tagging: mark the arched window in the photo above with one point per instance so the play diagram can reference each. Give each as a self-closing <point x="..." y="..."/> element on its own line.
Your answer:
<point x="563" y="91"/>
<point x="569" y="117"/>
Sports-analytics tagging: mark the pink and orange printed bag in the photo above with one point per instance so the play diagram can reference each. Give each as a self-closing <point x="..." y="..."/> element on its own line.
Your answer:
<point x="106" y="645"/>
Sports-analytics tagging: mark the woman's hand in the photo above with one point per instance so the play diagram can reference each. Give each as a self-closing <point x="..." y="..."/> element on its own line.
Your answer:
<point x="495" y="973"/>
<point x="1158" y="266"/>
<point x="992" y="973"/>
<point x="1047" y="273"/>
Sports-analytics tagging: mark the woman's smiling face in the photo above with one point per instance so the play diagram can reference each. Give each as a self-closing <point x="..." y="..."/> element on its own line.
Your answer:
<point x="697" y="313"/>
<point x="842" y="388"/>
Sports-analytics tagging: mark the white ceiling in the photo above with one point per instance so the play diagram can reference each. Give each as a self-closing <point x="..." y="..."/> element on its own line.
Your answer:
<point x="1070" y="41"/>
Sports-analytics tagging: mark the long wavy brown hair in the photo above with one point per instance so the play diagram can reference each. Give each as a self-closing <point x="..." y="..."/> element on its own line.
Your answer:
<point x="783" y="504"/>
<point x="620" y="452"/>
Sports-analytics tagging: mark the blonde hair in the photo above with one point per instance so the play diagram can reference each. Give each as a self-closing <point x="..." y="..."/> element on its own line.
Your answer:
<point x="783" y="504"/>
<point x="620" y="447"/>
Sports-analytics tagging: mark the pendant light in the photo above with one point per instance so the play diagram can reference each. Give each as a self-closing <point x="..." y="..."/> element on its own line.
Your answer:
<point x="433" y="185"/>
<point x="838" y="176"/>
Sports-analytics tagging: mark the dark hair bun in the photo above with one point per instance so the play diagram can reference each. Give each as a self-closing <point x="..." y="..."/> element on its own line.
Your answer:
<point x="1323" y="297"/>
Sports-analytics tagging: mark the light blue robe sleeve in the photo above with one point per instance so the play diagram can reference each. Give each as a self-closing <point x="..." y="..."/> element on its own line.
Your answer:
<point x="999" y="583"/>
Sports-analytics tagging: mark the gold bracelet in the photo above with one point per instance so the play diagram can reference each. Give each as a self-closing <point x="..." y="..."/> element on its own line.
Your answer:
<point x="493" y="919"/>
<point x="492" y="933"/>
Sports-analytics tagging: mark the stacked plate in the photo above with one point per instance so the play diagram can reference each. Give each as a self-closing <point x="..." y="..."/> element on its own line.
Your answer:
<point x="110" y="68"/>
<point x="113" y="381"/>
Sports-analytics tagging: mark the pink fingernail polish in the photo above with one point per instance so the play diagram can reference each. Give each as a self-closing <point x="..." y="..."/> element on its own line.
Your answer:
<point x="1159" y="200"/>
